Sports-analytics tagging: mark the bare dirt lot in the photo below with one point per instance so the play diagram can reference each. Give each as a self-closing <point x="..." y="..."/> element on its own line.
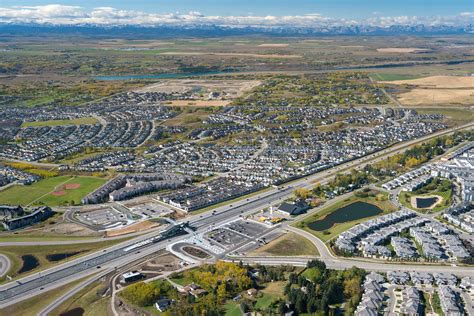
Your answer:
<point x="138" y="227"/>
<point x="439" y="82"/>
<point x="198" y="102"/>
<point x="283" y="56"/>
<point x="435" y="90"/>
<point x="436" y="97"/>
<point x="199" y="90"/>
<point x="402" y="50"/>
<point x="273" y="45"/>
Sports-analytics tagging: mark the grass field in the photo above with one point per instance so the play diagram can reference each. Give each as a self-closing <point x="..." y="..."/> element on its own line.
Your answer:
<point x="232" y="309"/>
<point x="78" y="121"/>
<point x="453" y="115"/>
<point x="290" y="244"/>
<point x="88" y="299"/>
<point x="40" y="192"/>
<point x="391" y="77"/>
<point x="405" y="198"/>
<point x="338" y="228"/>
<point x="40" y="252"/>
<point x="269" y="295"/>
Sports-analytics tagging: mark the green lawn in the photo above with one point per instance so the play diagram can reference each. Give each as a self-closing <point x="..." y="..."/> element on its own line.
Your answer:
<point x="453" y="115"/>
<point x="232" y="309"/>
<point x="78" y="121"/>
<point x="181" y="280"/>
<point x="39" y="193"/>
<point x="338" y="228"/>
<point x="405" y="200"/>
<point x="392" y="77"/>
<point x="265" y="301"/>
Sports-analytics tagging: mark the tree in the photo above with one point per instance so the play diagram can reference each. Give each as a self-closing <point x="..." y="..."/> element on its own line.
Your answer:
<point x="221" y="292"/>
<point x="141" y="294"/>
<point x="302" y="193"/>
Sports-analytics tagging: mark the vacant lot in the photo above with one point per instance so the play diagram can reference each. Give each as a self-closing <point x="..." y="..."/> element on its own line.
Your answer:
<point x="439" y="82"/>
<point x="289" y="244"/>
<point x="249" y="55"/>
<point x="417" y="97"/>
<point x="52" y="191"/>
<point x="437" y="90"/>
<point x="402" y="50"/>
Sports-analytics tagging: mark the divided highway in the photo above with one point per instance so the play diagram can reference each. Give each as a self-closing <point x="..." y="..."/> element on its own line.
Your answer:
<point x="117" y="256"/>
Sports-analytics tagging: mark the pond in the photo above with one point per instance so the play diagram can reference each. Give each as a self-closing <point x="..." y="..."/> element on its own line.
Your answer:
<point x="61" y="256"/>
<point x="348" y="213"/>
<point x="78" y="311"/>
<point x="29" y="263"/>
<point x="426" y="202"/>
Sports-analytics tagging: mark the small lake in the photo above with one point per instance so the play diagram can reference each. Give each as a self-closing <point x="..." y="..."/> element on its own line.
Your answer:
<point x="160" y="76"/>
<point x="351" y="212"/>
<point x="426" y="202"/>
<point x="29" y="263"/>
<point x="78" y="311"/>
<point x="61" y="256"/>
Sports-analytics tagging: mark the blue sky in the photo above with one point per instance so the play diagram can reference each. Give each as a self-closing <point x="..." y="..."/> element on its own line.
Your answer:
<point x="354" y="9"/>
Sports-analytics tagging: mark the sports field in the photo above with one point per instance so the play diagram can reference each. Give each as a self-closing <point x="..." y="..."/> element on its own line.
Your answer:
<point x="53" y="191"/>
<point x="78" y="121"/>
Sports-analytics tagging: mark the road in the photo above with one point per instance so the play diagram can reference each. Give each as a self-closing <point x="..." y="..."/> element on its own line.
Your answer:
<point x="5" y="265"/>
<point x="117" y="256"/>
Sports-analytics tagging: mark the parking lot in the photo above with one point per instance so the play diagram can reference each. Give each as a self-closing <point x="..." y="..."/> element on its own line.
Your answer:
<point x="151" y="210"/>
<point x="104" y="218"/>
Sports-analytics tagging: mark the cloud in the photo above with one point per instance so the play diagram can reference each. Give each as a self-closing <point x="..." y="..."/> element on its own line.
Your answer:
<point x="76" y="15"/>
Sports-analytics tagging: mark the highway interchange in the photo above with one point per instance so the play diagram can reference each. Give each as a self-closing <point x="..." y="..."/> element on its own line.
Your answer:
<point x="105" y="261"/>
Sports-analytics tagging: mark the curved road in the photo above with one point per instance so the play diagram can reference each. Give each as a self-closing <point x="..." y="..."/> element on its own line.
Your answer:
<point x="113" y="257"/>
<point x="5" y="265"/>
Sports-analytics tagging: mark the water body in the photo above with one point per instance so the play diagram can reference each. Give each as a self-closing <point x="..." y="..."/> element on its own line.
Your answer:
<point x="160" y="76"/>
<point x="61" y="256"/>
<point x="351" y="212"/>
<point x="29" y="263"/>
<point x="426" y="202"/>
<point x="78" y="311"/>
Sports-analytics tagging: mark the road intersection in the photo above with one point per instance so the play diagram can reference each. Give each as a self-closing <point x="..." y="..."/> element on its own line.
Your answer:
<point x="112" y="258"/>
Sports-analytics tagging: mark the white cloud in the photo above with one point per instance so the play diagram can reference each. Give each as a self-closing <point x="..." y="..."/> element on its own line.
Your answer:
<point x="74" y="15"/>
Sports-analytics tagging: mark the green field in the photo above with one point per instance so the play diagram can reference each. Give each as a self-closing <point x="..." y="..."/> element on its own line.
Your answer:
<point x="338" y="228"/>
<point x="453" y="115"/>
<point x="232" y="309"/>
<point x="392" y="77"/>
<point x="78" y="121"/>
<point x="39" y="193"/>
<point x="405" y="200"/>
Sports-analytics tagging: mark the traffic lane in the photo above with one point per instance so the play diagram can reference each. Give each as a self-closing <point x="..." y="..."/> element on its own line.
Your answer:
<point x="369" y="266"/>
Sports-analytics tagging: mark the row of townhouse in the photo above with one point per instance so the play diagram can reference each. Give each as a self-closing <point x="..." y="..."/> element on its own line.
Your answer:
<point x="411" y="179"/>
<point x="372" y="297"/>
<point x="131" y="185"/>
<point x="461" y="216"/>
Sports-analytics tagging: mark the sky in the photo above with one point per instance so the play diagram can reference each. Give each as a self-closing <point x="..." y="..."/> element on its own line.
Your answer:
<point x="239" y="12"/>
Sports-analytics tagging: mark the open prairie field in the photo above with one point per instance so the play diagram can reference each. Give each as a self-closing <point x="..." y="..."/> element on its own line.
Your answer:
<point x="436" y="90"/>
<point x="439" y="82"/>
<point x="402" y="50"/>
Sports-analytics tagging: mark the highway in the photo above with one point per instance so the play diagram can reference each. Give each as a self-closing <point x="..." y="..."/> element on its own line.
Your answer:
<point x="117" y="256"/>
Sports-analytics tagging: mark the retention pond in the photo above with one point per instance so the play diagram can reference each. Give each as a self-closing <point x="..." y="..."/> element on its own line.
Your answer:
<point x="348" y="213"/>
